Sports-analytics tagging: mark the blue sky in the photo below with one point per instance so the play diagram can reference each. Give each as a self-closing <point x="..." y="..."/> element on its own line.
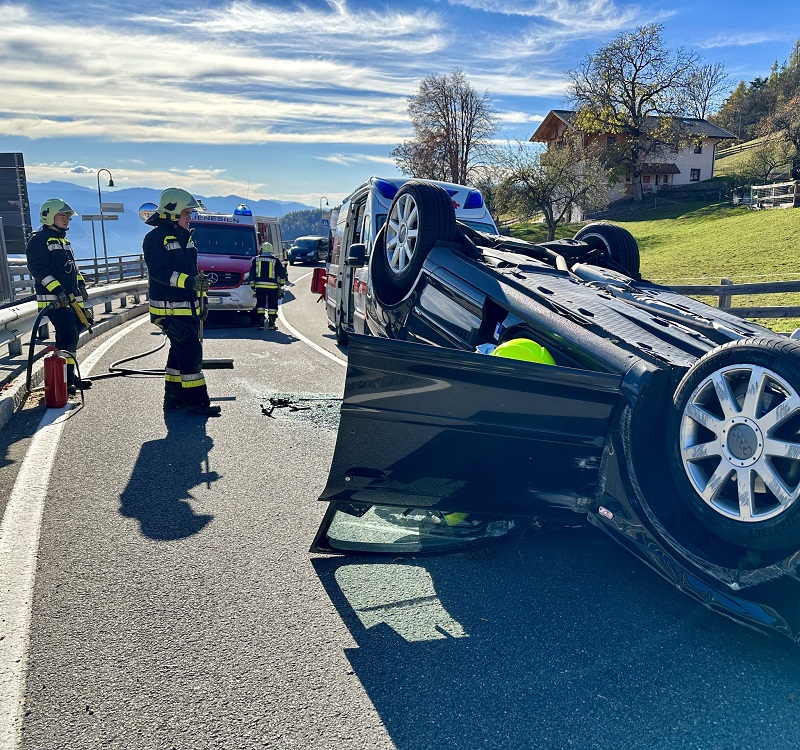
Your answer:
<point x="296" y="101"/>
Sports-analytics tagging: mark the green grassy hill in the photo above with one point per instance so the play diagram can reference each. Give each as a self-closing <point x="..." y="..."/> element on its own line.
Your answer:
<point x="701" y="243"/>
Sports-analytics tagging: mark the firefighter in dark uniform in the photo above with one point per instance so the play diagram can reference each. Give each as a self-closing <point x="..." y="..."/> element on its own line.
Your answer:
<point x="52" y="265"/>
<point x="176" y="294"/>
<point x="267" y="277"/>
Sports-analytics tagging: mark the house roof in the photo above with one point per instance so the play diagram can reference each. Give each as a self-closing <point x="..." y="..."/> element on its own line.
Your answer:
<point x="660" y="169"/>
<point x="552" y="120"/>
<point x="557" y="117"/>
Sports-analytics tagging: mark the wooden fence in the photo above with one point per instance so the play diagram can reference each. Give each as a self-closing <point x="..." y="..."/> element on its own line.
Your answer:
<point x="777" y="195"/>
<point x="721" y="153"/>
<point x="727" y="289"/>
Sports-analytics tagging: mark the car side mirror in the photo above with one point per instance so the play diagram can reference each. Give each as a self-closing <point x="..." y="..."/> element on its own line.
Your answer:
<point x="356" y="256"/>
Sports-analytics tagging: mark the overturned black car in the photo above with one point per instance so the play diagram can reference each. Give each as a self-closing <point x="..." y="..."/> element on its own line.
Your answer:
<point x="669" y="424"/>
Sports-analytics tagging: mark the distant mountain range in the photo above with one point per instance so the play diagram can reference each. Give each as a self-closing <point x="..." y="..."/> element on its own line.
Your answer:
<point x="124" y="236"/>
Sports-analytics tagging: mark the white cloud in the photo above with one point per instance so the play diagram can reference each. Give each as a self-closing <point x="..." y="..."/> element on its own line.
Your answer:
<point x="739" y="39"/>
<point x="349" y="159"/>
<point x="248" y="73"/>
<point x="127" y="87"/>
<point x="341" y="28"/>
<point x="203" y="181"/>
<point x="600" y="15"/>
<point x="520" y="118"/>
<point x="206" y="181"/>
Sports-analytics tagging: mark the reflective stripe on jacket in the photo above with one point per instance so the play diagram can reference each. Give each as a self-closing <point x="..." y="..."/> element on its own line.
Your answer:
<point x="267" y="272"/>
<point x="52" y="265"/>
<point x="171" y="259"/>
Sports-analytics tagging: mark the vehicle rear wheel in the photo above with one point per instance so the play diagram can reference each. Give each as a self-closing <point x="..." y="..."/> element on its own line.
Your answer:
<point x="734" y="437"/>
<point x="619" y="249"/>
<point x="421" y="215"/>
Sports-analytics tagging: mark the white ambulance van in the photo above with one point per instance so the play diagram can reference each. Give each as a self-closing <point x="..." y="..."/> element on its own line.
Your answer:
<point x="359" y="219"/>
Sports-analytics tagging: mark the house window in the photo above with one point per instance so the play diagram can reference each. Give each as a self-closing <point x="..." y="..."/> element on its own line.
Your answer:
<point x="694" y="175"/>
<point x="646" y="179"/>
<point x="698" y="147"/>
<point x="627" y="177"/>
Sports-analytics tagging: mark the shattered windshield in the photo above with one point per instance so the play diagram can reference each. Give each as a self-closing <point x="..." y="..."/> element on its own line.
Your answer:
<point x="377" y="528"/>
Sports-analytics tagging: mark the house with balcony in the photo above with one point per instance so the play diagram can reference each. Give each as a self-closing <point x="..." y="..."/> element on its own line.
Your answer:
<point x="693" y="164"/>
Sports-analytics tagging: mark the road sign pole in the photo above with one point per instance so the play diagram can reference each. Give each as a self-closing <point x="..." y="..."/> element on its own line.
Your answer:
<point x="94" y="244"/>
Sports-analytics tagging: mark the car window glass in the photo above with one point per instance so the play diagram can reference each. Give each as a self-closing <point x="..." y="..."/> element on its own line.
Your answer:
<point x="479" y="226"/>
<point x="227" y="240"/>
<point x="386" y="529"/>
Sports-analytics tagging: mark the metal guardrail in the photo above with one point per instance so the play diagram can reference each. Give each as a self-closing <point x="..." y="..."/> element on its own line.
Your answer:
<point x="118" y="268"/>
<point x="17" y="321"/>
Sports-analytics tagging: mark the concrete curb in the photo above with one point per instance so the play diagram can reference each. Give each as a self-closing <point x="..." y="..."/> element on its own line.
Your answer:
<point x="14" y="395"/>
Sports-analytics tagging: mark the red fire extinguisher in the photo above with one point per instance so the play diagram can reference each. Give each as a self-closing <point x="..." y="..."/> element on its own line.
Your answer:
<point x="55" y="379"/>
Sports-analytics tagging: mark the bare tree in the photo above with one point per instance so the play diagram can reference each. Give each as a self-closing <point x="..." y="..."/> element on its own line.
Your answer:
<point x="784" y="122"/>
<point x="422" y="157"/>
<point x="705" y="89"/>
<point x="453" y="126"/>
<point x="553" y="183"/>
<point x="760" y="163"/>
<point x="634" y="87"/>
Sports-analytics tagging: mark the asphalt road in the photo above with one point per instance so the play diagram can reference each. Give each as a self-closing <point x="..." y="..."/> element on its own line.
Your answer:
<point x="175" y="604"/>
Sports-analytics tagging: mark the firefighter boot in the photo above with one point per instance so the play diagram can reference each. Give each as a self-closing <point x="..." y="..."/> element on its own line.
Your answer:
<point x="272" y="325"/>
<point x="205" y="410"/>
<point x="173" y="397"/>
<point x="79" y="385"/>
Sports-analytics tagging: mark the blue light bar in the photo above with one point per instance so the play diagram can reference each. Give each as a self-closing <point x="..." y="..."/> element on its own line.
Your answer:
<point x="386" y="189"/>
<point x="474" y="200"/>
<point x="242" y="210"/>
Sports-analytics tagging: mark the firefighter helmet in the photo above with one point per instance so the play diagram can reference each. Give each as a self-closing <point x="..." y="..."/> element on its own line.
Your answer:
<point x="51" y="207"/>
<point x="174" y="200"/>
<point x="266" y="247"/>
<point x="526" y="350"/>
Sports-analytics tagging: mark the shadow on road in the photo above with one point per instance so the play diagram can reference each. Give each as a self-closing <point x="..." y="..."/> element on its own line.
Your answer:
<point x="163" y="476"/>
<point x="557" y="641"/>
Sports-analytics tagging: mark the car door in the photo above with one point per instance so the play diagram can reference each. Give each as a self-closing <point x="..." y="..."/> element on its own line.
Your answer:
<point x="440" y="448"/>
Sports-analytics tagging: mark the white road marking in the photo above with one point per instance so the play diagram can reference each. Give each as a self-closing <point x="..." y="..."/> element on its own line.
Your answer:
<point x="19" y="548"/>
<point x="302" y="338"/>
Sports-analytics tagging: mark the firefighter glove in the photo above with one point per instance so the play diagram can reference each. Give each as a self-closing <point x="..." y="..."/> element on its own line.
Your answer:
<point x="200" y="284"/>
<point x="63" y="299"/>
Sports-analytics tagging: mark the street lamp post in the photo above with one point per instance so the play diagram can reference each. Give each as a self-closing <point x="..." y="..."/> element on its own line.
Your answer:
<point x="102" y="223"/>
<point x="323" y="198"/>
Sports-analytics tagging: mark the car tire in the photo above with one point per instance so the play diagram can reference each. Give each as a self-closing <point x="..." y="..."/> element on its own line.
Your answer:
<point x="421" y="215"/>
<point x="734" y="442"/>
<point x="620" y="249"/>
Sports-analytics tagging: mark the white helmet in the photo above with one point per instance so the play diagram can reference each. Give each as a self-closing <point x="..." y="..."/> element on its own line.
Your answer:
<point x="173" y="201"/>
<point x="51" y="207"/>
